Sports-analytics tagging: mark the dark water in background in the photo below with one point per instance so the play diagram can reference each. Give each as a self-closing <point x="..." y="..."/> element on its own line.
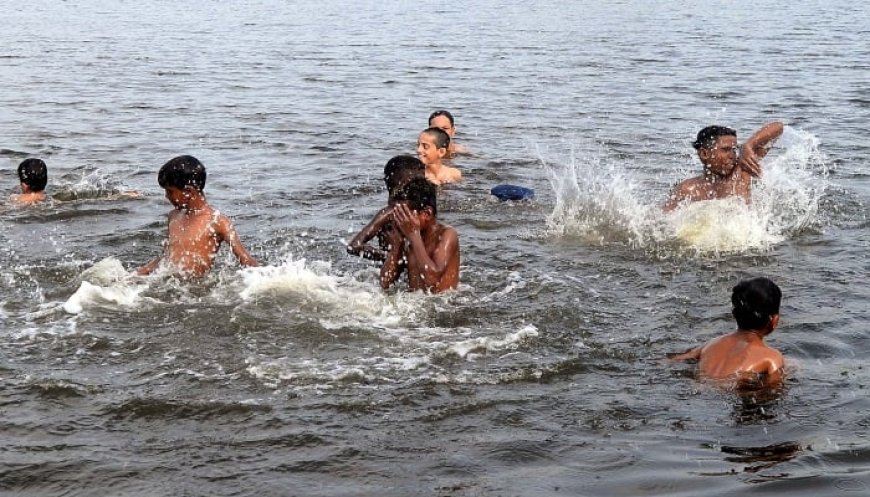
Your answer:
<point x="542" y="374"/>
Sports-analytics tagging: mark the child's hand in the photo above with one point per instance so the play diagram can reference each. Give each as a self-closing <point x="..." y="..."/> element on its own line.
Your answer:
<point x="749" y="161"/>
<point x="406" y="219"/>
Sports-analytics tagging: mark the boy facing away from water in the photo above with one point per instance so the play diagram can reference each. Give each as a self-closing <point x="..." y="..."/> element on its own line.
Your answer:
<point x="432" y="147"/>
<point x="431" y="249"/>
<point x="742" y="355"/>
<point x="33" y="176"/>
<point x="196" y="230"/>
<point x="398" y="172"/>
<point x="444" y="119"/>
<point x="725" y="174"/>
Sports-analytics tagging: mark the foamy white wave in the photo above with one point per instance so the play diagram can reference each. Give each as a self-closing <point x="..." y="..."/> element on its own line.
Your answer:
<point x="724" y="225"/>
<point x="404" y="352"/>
<point x="105" y="284"/>
<point x="602" y="204"/>
<point x="338" y="296"/>
<point x="93" y="296"/>
<point x="490" y="344"/>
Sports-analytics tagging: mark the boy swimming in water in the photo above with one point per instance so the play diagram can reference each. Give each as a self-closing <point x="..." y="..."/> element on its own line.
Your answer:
<point x="431" y="248"/>
<point x="444" y="119"/>
<point x="196" y="230"/>
<point x="432" y="146"/>
<point x="33" y="176"/>
<point x="724" y="173"/>
<point x="398" y="172"/>
<point x="742" y="355"/>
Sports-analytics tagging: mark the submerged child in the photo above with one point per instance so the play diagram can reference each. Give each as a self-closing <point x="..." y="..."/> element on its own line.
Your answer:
<point x="431" y="249"/>
<point x="444" y="119"/>
<point x="196" y="230"/>
<point x="432" y="146"/>
<point x="725" y="174"/>
<point x="742" y="355"/>
<point x="33" y="176"/>
<point x="398" y="172"/>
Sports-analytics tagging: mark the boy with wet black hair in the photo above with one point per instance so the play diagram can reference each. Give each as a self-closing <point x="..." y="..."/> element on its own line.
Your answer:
<point x="398" y="172"/>
<point x="444" y="119"/>
<point x="432" y="146"/>
<point x="196" y="230"/>
<point x="742" y="354"/>
<point x="725" y="174"/>
<point x="33" y="176"/>
<point x="431" y="248"/>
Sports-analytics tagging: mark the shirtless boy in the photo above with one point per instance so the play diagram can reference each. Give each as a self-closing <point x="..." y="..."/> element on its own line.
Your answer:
<point x="724" y="173"/>
<point x="196" y="230"/>
<point x="432" y="146"/>
<point x="431" y="248"/>
<point x="398" y="172"/>
<point x="444" y="119"/>
<point x="742" y="355"/>
<point x="33" y="175"/>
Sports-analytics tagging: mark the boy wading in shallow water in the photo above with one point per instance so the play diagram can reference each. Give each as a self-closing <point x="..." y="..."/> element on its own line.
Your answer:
<point x="432" y="146"/>
<point x="33" y="175"/>
<point x="431" y="249"/>
<point x="742" y="355"/>
<point x="196" y="230"/>
<point x="724" y="173"/>
<point x="398" y="172"/>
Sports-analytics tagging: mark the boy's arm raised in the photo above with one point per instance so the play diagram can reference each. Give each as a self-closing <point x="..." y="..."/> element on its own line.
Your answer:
<point x="756" y="147"/>
<point x="433" y="268"/>
<point x="394" y="261"/>
<point x="359" y="245"/>
<point x="227" y="232"/>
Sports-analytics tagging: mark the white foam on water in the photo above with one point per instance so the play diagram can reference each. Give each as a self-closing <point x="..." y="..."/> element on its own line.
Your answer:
<point x="603" y="203"/>
<point x="407" y="355"/>
<point x="492" y="344"/>
<point x="726" y="225"/>
<point x="341" y="300"/>
<point x="105" y="285"/>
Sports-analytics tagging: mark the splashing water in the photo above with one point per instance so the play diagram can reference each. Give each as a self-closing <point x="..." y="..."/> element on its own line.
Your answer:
<point x="602" y="203"/>
<point x="334" y="297"/>
<point x="105" y="284"/>
<point x="92" y="185"/>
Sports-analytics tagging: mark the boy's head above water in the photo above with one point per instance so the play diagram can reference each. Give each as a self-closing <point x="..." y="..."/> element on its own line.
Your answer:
<point x="432" y="145"/>
<point x="182" y="172"/>
<point x="717" y="149"/>
<point x="33" y="175"/>
<point x="400" y="170"/>
<point x="183" y="178"/>
<point x="444" y="120"/>
<point x="756" y="304"/>
<point x="420" y="195"/>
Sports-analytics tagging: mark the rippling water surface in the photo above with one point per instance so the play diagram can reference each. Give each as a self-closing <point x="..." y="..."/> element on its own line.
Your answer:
<point x="542" y="374"/>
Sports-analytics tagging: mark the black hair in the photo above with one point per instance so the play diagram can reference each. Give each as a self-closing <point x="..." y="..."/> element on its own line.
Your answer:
<point x="400" y="168"/>
<point x="182" y="171"/>
<point x="420" y="193"/>
<point x="441" y="112"/>
<point x="707" y="137"/>
<point x="755" y="302"/>
<point x="33" y="173"/>
<point x="442" y="139"/>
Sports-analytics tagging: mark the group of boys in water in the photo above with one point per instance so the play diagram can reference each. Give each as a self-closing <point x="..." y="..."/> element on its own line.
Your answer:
<point x="411" y="239"/>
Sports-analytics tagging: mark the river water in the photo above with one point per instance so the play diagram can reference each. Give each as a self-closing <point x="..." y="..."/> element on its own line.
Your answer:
<point x="543" y="373"/>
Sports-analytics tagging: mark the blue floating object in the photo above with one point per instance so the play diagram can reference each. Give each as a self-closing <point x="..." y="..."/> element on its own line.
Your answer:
<point x="512" y="192"/>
